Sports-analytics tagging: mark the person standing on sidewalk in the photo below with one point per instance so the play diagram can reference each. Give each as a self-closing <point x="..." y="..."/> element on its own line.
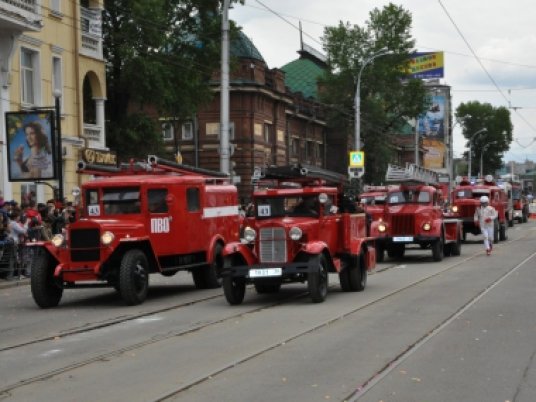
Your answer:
<point x="485" y="216"/>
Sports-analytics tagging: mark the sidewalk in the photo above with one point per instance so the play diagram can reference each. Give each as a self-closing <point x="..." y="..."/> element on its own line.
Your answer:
<point x="4" y="284"/>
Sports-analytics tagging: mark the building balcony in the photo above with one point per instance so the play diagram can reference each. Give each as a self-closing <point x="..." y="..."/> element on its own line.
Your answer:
<point x="20" y="15"/>
<point x="91" y="30"/>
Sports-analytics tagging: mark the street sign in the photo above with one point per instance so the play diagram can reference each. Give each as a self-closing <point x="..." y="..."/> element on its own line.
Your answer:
<point x="357" y="159"/>
<point x="356" y="172"/>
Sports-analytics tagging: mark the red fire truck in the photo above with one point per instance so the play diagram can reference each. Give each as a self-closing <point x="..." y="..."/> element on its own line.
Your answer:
<point x="373" y="199"/>
<point x="137" y="219"/>
<point x="520" y="203"/>
<point x="414" y="215"/>
<point x="302" y="230"/>
<point x="466" y="198"/>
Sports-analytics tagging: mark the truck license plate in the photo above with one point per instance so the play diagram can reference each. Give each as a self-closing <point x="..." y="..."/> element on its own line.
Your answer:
<point x="265" y="272"/>
<point x="403" y="238"/>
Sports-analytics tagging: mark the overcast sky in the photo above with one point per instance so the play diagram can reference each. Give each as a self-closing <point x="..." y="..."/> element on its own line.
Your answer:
<point x="501" y="33"/>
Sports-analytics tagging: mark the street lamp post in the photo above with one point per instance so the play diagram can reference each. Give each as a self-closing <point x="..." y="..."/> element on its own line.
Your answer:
<point x="482" y="130"/>
<point x="357" y="100"/>
<point x="482" y="157"/>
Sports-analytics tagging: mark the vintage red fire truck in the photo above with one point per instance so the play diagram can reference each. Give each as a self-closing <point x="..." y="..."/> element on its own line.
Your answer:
<point x="142" y="218"/>
<point x="520" y="204"/>
<point x="414" y="216"/>
<point x="373" y="200"/>
<point x="302" y="230"/>
<point x="466" y="198"/>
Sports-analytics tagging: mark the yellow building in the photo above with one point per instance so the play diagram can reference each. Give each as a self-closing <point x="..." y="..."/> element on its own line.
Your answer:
<point x="50" y="48"/>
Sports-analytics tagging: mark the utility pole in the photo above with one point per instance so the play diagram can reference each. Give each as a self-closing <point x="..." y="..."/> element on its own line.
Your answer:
<point x="224" y="94"/>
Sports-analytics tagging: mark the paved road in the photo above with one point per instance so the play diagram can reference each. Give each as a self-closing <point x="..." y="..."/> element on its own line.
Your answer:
<point x="461" y="329"/>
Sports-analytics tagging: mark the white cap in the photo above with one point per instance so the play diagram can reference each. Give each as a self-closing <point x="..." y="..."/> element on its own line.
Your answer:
<point x="484" y="199"/>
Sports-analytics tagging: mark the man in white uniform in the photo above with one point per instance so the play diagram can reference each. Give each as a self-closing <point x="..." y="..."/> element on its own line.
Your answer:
<point x="485" y="216"/>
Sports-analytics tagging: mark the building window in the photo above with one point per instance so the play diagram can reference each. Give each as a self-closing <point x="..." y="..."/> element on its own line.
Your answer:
<point x="55" y="6"/>
<point x="214" y="129"/>
<point x="57" y="81"/>
<point x="295" y="146"/>
<point x="267" y="133"/>
<point x="167" y="131"/>
<point x="310" y="150"/>
<point x="187" y="131"/>
<point x="29" y="76"/>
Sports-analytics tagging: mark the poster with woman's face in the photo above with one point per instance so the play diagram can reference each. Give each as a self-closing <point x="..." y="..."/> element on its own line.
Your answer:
<point x="30" y="144"/>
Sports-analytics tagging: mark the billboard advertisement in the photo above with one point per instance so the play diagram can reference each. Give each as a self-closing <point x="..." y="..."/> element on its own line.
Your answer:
<point x="432" y="128"/>
<point x="30" y="144"/>
<point x="426" y="65"/>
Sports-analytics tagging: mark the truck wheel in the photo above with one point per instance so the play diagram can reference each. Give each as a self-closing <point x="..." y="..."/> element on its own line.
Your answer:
<point x="447" y="249"/>
<point x="437" y="249"/>
<point x="496" y="231"/>
<point x="464" y="235"/>
<point x="380" y="252"/>
<point x="456" y="248"/>
<point x="264" y="288"/>
<point x="317" y="281"/>
<point x="344" y="275"/>
<point x="524" y="219"/>
<point x="358" y="274"/>
<point x="502" y="232"/>
<point x="46" y="291"/>
<point x="234" y="290"/>
<point x="134" y="277"/>
<point x="208" y="276"/>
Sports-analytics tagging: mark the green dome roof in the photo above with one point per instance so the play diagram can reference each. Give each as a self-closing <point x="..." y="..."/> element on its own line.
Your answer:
<point x="301" y="75"/>
<point x="243" y="47"/>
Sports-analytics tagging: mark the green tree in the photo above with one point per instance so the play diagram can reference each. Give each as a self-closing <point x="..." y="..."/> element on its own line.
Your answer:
<point x="160" y="56"/>
<point x="494" y="140"/>
<point x="388" y="98"/>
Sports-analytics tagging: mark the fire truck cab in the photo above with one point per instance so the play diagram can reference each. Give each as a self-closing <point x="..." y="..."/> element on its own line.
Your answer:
<point x="466" y="199"/>
<point x="373" y="199"/>
<point x="153" y="217"/>
<point x="414" y="215"/>
<point x="302" y="230"/>
<point x="520" y="204"/>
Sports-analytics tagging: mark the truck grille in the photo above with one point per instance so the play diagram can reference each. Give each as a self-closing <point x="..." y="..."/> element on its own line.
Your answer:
<point x="467" y="211"/>
<point x="403" y="224"/>
<point x="85" y="244"/>
<point x="272" y="245"/>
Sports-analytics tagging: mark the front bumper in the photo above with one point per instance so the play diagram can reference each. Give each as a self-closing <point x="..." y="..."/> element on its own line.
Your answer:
<point x="289" y="271"/>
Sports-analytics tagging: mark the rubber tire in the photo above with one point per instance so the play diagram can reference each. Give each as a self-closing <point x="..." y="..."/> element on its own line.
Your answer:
<point x="380" y="253"/>
<point x="358" y="274"/>
<point x="45" y="291"/>
<point x="234" y="290"/>
<point x="317" y="282"/>
<point x="456" y="248"/>
<point x="502" y="232"/>
<point x="496" y="225"/>
<point x="447" y="249"/>
<point x="208" y="276"/>
<point x="134" y="277"/>
<point x="464" y="235"/>
<point x="267" y="288"/>
<point x="344" y="275"/>
<point x="437" y="249"/>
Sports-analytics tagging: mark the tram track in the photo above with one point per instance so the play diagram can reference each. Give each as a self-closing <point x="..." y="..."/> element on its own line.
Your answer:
<point x="5" y="391"/>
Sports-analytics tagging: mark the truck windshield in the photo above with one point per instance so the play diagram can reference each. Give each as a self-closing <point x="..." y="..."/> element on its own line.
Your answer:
<point x="373" y="200"/>
<point x="124" y="200"/>
<point x="516" y="193"/>
<point x="274" y="207"/>
<point x="409" y="197"/>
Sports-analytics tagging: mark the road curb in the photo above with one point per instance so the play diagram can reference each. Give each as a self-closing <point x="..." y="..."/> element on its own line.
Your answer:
<point x="4" y="284"/>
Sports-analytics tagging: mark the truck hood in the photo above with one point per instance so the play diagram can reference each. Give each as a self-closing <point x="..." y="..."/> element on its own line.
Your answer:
<point x="131" y="227"/>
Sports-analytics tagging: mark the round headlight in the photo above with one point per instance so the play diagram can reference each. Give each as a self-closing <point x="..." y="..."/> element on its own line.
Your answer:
<point x="107" y="238"/>
<point x="249" y="234"/>
<point x="295" y="233"/>
<point x="381" y="227"/>
<point x="455" y="208"/>
<point x="323" y="198"/>
<point x="58" y="240"/>
<point x="427" y="226"/>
